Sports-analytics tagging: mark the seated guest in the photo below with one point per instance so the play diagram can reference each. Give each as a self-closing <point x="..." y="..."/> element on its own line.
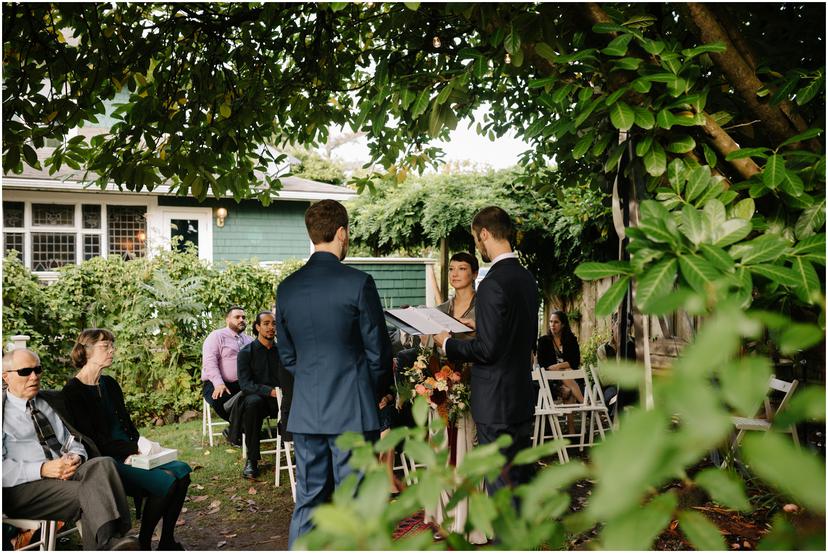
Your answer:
<point x="218" y="363"/>
<point x="558" y="350"/>
<point x="260" y="374"/>
<point x="95" y="403"/>
<point x="40" y="481"/>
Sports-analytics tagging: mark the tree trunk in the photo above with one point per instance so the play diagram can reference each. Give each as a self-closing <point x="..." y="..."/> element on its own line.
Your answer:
<point x="444" y="263"/>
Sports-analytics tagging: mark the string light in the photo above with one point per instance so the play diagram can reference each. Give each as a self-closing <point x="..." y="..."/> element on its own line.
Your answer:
<point x="436" y="42"/>
<point x="507" y="58"/>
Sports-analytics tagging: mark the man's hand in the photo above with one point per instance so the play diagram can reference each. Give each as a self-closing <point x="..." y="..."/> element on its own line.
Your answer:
<point x="274" y="393"/>
<point x="469" y="323"/>
<point x="63" y="468"/>
<point x="219" y="391"/>
<point x="441" y="338"/>
<point x="385" y="401"/>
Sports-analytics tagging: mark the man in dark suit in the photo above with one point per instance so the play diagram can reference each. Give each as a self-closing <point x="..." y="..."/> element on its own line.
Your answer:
<point x="333" y="339"/>
<point x="501" y="353"/>
<point x="261" y="377"/>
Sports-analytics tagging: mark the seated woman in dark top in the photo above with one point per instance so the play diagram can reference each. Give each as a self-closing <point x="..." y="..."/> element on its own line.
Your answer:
<point x="558" y="351"/>
<point x="96" y="404"/>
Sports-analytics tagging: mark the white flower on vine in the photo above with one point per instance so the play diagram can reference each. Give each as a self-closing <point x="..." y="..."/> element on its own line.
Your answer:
<point x="442" y="385"/>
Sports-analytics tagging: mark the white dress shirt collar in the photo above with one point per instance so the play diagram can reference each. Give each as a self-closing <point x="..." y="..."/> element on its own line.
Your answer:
<point x="17" y="402"/>
<point x="507" y="255"/>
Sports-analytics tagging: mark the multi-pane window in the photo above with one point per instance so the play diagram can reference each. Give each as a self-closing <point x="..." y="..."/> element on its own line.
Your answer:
<point x="51" y="235"/>
<point x="127" y="230"/>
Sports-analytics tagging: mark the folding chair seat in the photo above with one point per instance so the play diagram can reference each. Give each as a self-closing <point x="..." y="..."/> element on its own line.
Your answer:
<point x="745" y="424"/>
<point x="284" y="449"/>
<point x="207" y="424"/>
<point x="588" y="407"/>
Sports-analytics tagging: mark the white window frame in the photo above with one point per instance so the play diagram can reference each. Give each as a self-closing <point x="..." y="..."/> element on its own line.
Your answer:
<point x="201" y="214"/>
<point x="77" y="199"/>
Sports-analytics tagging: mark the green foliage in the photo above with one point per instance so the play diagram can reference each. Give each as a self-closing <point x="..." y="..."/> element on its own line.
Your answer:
<point x="160" y="310"/>
<point x="315" y="167"/>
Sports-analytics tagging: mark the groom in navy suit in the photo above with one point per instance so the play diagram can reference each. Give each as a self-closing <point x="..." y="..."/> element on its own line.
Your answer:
<point x="502" y="397"/>
<point x="333" y="339"/>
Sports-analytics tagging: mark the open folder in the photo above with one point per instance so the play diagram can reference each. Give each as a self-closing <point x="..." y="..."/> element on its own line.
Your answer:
<point x="419" y="321"/>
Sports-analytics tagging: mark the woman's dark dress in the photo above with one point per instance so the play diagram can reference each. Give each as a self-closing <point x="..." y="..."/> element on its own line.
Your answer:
<point x="99" y="412"/>
<point x="548" y="354"/>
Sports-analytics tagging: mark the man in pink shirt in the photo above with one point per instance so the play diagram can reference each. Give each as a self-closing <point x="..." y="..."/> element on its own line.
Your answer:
<point x="218" y="360"/>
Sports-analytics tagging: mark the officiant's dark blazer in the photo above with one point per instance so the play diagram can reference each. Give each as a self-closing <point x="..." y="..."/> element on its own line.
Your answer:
<point x="333" y="339"/>
<point x="501" y="353"/>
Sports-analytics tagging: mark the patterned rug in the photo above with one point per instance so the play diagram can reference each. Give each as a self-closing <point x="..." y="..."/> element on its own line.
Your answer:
<point x="411" y="526"/>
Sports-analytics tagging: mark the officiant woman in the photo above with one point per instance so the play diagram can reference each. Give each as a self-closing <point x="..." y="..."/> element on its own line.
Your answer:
<point x="96" y="406"/>
<point x="463" y="268"/>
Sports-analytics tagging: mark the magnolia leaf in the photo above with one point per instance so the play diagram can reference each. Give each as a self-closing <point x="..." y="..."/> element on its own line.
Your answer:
<point x="810" y="90"/>
<point x="698" y="272"/>
<point x="608" y="303"/>
<point x="709" y="156"/>
<point x="644" y="145"/>
<point x="774" y="172"/>
<point x="692" y="225"/>
<point x="665" y="119"/>
<point x="811" y="248"/>
<point x="593" y="270"/>
<point x="745" y="209"/>
<point x="512" y="42"/>
<point x="745" y="384"/>
<point x="644" y="118"/>
<point x="776" y="273"/>
<point x="700" y="531"/>
<point x="792" y="184"/>
<point x="807" y="135"/>
<point x="637" y="528"/>
<point x="582" y="146"/>
<point x="798" y="473"/>
<point x="624" y="373"/>
<point x="712" y="47"/>
<point x="799" y="336"/>
<point x="655" y="161"/>
<point x="731" y="231"/>
<point x="714" y="210"/>
<point x="724" y="488"/>
<point x="747" y="152"/>
<point x="697" y="181"/>
<point x="808" y="404"/>
<point x="622" y="116"/>
<point x="811" y="220"/>
<point x="656" y="282"/>
<point x="421" y="104"/>
<point x="767" y="247"/>
<point x="717" y="256"/>
<point x="545" y="51"/>
<point x="682" y="145"/>
<point x="618" y="46"/>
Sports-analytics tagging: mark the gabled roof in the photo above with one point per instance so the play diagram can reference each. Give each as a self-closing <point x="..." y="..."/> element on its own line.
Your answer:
<point x="66" y="178"/>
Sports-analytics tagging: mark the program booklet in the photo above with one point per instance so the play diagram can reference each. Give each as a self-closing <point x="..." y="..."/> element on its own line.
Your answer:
<point x="419" y="321"/>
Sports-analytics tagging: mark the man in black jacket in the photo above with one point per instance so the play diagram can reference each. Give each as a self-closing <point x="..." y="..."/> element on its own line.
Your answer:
<point x="261" y="373"/>
<point x="501" y="353"/>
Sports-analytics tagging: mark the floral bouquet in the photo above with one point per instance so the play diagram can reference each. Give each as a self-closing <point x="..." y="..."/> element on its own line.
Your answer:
<point x="442" y="383"/>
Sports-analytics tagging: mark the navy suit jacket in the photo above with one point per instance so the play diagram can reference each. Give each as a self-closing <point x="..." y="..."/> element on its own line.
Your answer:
<point x="501" y="354"/>
<point x="333" y="339"/>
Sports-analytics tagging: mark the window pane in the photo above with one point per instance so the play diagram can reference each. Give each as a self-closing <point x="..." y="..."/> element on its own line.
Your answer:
<point x="127" y="230"/>
<point x="13" y="241"/>
<point x="53" y="215"/>
<point x="13" y="214"/>
<point x="187" y="229"/>
<point x="91" y="215"/>
<point x="91" y="246"/>
<point x="52" y="250"/>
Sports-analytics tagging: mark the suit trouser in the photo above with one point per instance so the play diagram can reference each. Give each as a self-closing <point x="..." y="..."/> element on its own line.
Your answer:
<point x="94" y="493"/>
<point x="255" y="409"/>
<point x="521" y="434"/>
<point x="320" y="468"/>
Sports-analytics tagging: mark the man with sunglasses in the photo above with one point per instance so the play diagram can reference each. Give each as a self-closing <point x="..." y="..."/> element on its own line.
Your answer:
<point x="45" y="473"/>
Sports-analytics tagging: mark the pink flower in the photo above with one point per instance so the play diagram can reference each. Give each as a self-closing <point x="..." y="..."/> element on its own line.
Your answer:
<point x="455" y="377"/>
<point x="421" y="390"/>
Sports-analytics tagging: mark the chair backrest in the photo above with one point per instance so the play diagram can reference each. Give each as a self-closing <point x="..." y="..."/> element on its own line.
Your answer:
<point x="570" y="374"/>
<point x="596" y="384"/>
<point x="786" y="388"/>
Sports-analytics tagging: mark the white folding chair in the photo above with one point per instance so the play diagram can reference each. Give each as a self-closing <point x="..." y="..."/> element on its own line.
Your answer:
<point x="45" y="527"/>
<point x="546" y="416"/>
<point x="744" y="424"/>
<point x="598" y="396"/>
<point x="587" y="407"/>
<point x="207" y="424"/>
<point x="274" y="436"/>
<point x="284" y="449"/>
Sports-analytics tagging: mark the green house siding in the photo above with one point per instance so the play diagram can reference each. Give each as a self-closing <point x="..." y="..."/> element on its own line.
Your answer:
<point x="397" y="283"/>
<point x="272" y="233"/>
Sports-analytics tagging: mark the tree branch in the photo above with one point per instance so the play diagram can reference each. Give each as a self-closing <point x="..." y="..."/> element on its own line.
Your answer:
<point x="724" y="144"/>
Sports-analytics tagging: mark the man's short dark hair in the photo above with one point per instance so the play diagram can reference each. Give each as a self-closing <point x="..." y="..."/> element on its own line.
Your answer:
<point x="323" y="219"/>
<point x="496" y="221"/>
<point x="258" y="321"/>
<point x="231" y="309"/>
<point x="466" y="257"/>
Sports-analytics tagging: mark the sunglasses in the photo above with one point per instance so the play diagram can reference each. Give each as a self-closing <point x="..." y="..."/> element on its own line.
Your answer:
<point x="26" y="371"/>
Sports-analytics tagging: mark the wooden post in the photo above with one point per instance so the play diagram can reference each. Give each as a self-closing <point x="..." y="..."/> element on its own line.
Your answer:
<point x="444" y="263"/>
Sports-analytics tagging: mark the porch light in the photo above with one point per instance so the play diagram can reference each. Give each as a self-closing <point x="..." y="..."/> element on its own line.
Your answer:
<point x="221" y="215"/>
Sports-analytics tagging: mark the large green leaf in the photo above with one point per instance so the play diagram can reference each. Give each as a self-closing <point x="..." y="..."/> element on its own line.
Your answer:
<point x="618" y="46"/>
<point x="582" y="145"/>
<point x="730" y="231"/>
<point x="421" y="103"/>
<point x="512" y="42"/>
<point x="747" y="152"/>
<point x="776" y="273"/>
<point x="812" y="248"/>
<point x="656" y="282"/>
<point x="807" y="135"/>
<point x="644" y="117"/>
<point x="592" y="270"/>
<point x="637" y="529"/>
<point x="644" y="145"/>
<point x="767" y="247"/>
<point x="693" y="225"/>
<point x="622" y="116"/>
<point x="655" y="161"/>
<point x="744" y="209"/>
<point x="811" y="220"/>
<point x="745" y="384"/>
<point x="798" y="473"/>
<point x="774" y="172"/>
<point x="808" y="404"/>
<point x="697" y="181"/>
<point x="715" y="212"/>
<point x="701" y="532"/>
<point x="608" y="303"/>
<point x="698" y="272"/>
<point x="717" y="256"/>
<point x="682" y="144"/>
<point x="799" y="336"/>
<point x="711" y="47"/>
<point x="545" y="51"/>
<point x="724" y="488"/>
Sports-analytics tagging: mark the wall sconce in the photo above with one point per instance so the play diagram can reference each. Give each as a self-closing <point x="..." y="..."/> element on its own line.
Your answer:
<point x="221" y="215"/>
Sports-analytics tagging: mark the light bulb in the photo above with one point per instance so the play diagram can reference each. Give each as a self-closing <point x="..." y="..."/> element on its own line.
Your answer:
<point x="436" y="42"/>
<point x="507" y="58"/>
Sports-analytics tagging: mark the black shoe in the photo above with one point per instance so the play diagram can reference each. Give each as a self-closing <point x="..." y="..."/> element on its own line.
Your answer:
<point x="127" y="543"/>
<point x="226" y="434"/>
<point x="251" y="470"/>
<point x="174" y="546"/>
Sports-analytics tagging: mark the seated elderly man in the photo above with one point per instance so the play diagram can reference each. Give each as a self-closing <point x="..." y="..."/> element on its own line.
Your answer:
<point x="46" y="477"/>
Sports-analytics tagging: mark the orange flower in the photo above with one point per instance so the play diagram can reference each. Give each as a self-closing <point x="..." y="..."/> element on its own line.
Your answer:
<point x="456" y="377"/>
<point x="430" y="382"/>
<point x="421" y="390"/>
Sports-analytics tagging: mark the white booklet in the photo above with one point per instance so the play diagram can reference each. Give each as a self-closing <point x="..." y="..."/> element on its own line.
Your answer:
<point x="419" y="321"/>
